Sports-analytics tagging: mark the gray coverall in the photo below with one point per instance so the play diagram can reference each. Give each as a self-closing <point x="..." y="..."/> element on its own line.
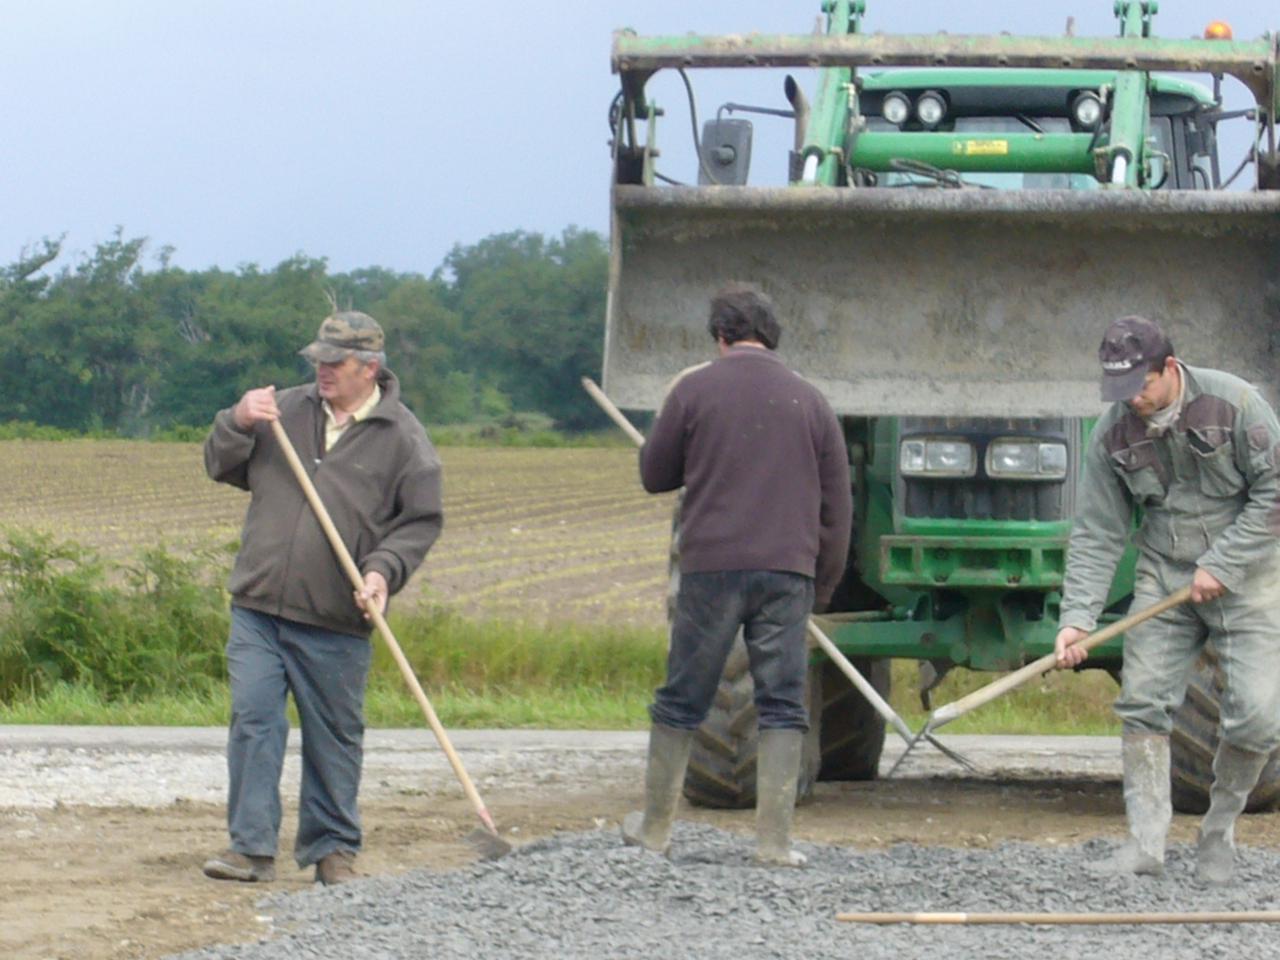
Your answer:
<point x="1207" y="494"/>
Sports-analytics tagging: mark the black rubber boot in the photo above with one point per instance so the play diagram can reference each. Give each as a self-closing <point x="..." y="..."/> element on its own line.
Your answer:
<point x="1235" y="773"/>
<point x="1146" y="805"/>
<point x="777" y="769"/>
<point x="668" y="757"/>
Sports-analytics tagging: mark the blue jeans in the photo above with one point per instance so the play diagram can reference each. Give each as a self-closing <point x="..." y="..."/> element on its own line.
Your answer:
<point x="268" y="658"/>
<point x="771" y="608"/>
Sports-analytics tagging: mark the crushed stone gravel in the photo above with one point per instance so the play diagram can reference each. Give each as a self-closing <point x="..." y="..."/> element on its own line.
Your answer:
<point x="585" y="895"/>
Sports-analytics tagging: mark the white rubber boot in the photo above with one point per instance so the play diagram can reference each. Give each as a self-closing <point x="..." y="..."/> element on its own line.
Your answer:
<point x="1235" y="773"/>
<point x="668" y="757"/>
<point x="1147" y="807"/>
<point x="777" y="769"/>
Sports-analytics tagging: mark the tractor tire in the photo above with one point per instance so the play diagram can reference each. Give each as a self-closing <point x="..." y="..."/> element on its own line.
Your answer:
<point x="1195" y="740"/>
<point x="851" y="733"/>
<point x="722" y="763"/>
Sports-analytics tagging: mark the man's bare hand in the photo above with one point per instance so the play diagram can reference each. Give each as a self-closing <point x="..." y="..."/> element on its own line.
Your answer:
<point x="373" y="595"/>
<point x="1205" y="586"/>
<point x="256" y="406"/>
<point x="1069" y="655"/>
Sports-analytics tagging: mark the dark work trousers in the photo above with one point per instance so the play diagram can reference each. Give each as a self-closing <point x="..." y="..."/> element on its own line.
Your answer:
<point x="771" y="608"/>
<point x="268" y="658"/>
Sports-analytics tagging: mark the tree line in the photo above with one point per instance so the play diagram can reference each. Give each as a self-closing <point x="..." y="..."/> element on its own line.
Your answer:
<point x="121" y="343"/>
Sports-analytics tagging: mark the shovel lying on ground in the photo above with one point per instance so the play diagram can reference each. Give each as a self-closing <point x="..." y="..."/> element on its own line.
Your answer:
<point x="864" y="687"/>
<point x="958" y="708"/>
<point x="490" y="845"/>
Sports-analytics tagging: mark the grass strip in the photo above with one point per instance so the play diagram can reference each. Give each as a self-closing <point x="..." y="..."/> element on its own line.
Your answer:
<point x="1078" y="705"/>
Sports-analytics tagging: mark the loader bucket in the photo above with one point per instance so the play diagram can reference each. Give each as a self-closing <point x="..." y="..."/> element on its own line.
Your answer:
<point x="944" y="302"/>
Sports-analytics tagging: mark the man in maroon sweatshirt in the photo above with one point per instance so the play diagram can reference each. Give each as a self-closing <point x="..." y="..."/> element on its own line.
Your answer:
<point x="764" y="536"/>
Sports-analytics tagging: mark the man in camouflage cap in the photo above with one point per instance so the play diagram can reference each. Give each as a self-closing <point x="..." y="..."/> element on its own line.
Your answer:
<point x="295" y="625"/>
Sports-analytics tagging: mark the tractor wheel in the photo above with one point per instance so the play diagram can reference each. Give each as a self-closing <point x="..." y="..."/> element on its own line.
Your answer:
<point x="851" y="733"/>
<point x="1195" y="740"/>
<point x="722" y="763"/>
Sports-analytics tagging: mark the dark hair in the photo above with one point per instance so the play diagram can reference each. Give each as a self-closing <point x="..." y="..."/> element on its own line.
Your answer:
<point x="742" y="311"/>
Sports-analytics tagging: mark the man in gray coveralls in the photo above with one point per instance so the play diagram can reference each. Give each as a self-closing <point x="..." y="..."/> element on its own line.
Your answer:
<point x="1195" y="451"/>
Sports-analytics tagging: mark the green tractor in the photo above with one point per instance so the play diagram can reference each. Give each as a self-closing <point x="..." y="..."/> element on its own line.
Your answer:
<point x="963" y="217"/>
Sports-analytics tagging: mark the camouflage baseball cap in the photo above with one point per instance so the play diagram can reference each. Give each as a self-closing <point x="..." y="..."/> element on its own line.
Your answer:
<point x="342" y="333"/>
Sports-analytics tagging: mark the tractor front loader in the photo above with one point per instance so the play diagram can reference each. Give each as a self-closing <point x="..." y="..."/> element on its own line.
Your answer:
<point x="963" y="216"/>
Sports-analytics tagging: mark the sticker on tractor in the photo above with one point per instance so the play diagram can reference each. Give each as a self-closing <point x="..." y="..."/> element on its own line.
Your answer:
<point x="981" y="148"/>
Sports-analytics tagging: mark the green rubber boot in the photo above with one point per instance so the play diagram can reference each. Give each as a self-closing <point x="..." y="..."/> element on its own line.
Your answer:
<point x="777" y="769"/>
<point x="1146" y="805"/>
<point x="1235" y="773"/>
<point x="668" y="757"/>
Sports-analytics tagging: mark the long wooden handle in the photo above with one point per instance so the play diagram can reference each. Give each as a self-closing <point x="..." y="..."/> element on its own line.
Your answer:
<point x="353" y="574"/>
<point x="1092" y="919"/>
<point x="616" y="415"/>
<point x="958" y="708"/>
<point x="858" y="680"/>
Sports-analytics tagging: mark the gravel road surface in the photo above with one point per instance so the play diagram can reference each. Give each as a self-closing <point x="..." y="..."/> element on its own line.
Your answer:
<point x="105" y="829"/>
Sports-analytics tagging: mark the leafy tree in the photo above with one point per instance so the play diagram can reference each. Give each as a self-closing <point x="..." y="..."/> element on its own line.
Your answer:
<point x="506" y="325"/>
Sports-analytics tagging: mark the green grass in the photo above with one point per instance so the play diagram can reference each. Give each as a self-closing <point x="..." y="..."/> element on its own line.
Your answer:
<point x="1057" y="703"/>
<point x="385" y="707"/>
<point x="86" y="642"/>
<point x="1039" y="710"/>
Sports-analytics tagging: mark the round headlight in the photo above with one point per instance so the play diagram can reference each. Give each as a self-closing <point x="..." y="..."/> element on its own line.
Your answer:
<point x="931" y="108"/>
<point x="895" y="108"/>
<point x="1087" y="110"/>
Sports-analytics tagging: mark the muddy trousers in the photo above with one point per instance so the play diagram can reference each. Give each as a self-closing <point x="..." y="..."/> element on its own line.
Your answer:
<point x="1244" y="629"/>
<point x="268" y="658"/>
<point x="771" y="609"/>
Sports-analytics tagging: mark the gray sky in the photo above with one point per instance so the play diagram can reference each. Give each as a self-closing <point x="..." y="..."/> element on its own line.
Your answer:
<point x="382" y="132"/>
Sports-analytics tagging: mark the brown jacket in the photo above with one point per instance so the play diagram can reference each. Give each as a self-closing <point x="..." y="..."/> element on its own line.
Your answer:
<point x="765" y="469"/>
<point x="380" y="483"/>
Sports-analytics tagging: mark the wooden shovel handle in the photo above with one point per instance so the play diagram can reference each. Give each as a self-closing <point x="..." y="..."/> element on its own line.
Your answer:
<point x="1077" y="919"/>
<point x="616" y="415"/>
<point x="957" y="708"/>
<point x="379" y="621"/>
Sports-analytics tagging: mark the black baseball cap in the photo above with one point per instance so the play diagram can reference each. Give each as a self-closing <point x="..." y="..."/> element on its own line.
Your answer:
<point x="1129" y="348"/>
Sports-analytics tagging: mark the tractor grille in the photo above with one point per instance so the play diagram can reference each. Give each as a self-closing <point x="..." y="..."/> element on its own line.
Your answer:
<point x="980" y="497"/>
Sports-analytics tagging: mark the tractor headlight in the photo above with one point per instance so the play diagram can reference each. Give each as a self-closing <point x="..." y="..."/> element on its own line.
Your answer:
<point x="1087" y="110"/>
<point x="931" y="108"/>
<point x="1026" y="460"/>
<point x="937" y="458"/>
<point x="895" y="108"/>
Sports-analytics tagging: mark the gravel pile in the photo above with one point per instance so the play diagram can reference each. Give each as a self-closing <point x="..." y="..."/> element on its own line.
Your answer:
<point x="586" y="896"/>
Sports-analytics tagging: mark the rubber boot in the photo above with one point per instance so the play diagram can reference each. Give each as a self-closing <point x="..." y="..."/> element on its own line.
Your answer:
<point x="1235" y="773"/>
<point x="1147" y="807"/>
<point x="668" y="757"/>
<point x="777" y="769"/>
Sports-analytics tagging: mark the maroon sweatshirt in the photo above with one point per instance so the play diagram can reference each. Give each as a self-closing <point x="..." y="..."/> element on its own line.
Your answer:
<point x="765" y="469"/>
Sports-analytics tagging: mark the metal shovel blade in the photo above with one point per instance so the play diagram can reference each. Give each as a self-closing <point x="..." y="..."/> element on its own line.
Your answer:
<point x="490" y="846"/>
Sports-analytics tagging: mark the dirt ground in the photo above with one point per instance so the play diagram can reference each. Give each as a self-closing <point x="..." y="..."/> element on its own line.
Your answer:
<point x="92" y="883"/>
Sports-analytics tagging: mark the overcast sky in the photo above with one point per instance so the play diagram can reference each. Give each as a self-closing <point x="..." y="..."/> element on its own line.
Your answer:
<point x="382" y="132"/>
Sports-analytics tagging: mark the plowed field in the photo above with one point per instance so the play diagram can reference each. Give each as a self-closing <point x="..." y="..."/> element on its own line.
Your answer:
<point x="543" y="534"/>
